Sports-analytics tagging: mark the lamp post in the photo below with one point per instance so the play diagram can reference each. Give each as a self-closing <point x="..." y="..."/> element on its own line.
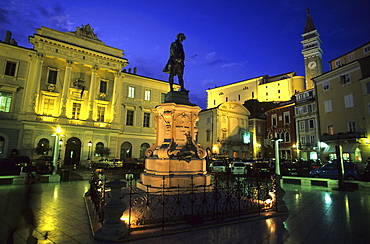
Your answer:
<point x="57" y="133"/>
<point x="60" y="147"/>
<point x="280" y="203"/>
<point x="89" y="144"/>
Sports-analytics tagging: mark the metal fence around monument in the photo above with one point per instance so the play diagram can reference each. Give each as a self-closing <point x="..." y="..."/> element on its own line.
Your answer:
<point x="229" y="196"/>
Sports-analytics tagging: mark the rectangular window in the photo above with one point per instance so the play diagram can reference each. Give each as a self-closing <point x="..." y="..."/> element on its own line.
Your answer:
<point x="348" y="101"/>
<point x="328" y="107"/>
<point x="303" y="140"/>
<point x="345" y="79"/>
<point x="163" y="97"/>
<point x="146" y="120"/>
<point x="48" y="107"/>
<point x="147" y="95"/>
<point x="100" y="113"/>
<point x="367" y="87"/>
<point x="331" y="129"/>
<point x="52" y="76"/>
<point x="312" y="139"/>
<point x="76" y="110"/>
<point x="338" y="63"/>
<point x="311" y="124"/>
<point x="367" y="49"/>
<point x="103" y="86"/>
<point x="5" y="101"/>
<point x="302" y="126"/>
<point x="131" y="92"/>
<point x="352" y="126"/>
<point x="351" y="56"/>
<point x="208" y="135"/>
<point x="130" y="117"/>
<point x="223" y="135"/>
<point x="326" y="86"/>
<point x="309" y="108"/>
<point x="10" y="68"/>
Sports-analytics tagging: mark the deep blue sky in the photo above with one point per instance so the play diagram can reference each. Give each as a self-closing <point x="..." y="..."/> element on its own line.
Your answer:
<point x="233" y="40"/>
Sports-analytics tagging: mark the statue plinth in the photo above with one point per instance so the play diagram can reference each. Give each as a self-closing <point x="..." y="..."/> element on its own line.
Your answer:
<point x="175" y="160"/>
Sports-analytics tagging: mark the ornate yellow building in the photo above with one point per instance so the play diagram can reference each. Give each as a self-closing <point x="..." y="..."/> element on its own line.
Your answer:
<point x="74" y="81"/>
<point x="264" y="89"/>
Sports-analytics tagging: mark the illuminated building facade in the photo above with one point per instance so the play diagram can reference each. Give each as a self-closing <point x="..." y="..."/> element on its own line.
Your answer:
<point x="281" y="125"/>
<point x="264" y="89"/>
<point x="224" y="130"/>
<point x="74" y="80"/>
<point x="307" y="127"/>
<point x="343" y="98"/>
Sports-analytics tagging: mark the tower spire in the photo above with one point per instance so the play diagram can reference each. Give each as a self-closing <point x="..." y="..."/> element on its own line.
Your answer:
<point x="310" y="26"/>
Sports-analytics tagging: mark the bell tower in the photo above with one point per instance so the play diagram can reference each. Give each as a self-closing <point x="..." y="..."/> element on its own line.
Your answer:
<point x="312" y="51"/>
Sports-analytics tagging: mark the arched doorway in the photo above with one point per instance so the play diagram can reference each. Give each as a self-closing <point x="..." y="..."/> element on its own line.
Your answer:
<point x="126" y="150"/>
<point x="73" y="151"/>
<point x="143" y="148"/>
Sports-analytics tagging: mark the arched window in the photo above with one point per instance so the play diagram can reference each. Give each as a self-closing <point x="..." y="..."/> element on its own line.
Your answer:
<point x="143" y="148"/>
<point x="287" y="136"/>
<point x="99" y="149"/>
<point x="2" y="144"/>
<point x="126" y="150"/>
<point x="43" y="147"/>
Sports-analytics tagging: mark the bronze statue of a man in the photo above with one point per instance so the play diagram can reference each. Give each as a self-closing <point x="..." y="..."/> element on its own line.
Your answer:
<point x="175" y="65"/>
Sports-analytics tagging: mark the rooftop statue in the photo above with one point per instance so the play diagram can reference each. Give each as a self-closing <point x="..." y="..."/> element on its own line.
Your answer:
<point x="175" y="65"/>
<point x="86" y="31"/>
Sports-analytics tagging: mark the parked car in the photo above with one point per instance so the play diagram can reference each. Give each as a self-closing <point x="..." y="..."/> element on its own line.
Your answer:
<point x="218" y="166"/>
<point x="262" y="168"/>
<point x="44" y="164"/>
<point x="330" y="170"/>
<point x="237" y="168"/>
<point x="108" y="163"/>
<point x="289" y="169"/>
<point x="13" y="165"/>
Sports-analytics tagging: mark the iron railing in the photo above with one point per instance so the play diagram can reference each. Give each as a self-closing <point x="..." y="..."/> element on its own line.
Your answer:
<point x="228" y="196"/>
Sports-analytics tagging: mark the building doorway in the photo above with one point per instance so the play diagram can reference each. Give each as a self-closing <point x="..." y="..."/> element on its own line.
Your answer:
<point x="73" y="151"/>
<point x="126" y="150"/>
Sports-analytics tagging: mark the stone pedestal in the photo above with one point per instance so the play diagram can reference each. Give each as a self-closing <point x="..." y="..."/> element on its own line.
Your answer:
<point x="175" y="160"/>
<point x="113" y="228"/>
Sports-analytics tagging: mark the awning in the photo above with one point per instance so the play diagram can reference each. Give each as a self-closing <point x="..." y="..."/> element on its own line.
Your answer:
<point x="330" y="149"/>
<point x="346" y="148"/>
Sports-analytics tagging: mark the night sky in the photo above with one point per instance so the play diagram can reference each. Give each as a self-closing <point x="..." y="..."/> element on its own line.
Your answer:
<point x="232" y="40"/>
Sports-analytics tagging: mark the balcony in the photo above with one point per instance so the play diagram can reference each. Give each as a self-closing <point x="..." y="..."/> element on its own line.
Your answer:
<point x="46" y="118"/>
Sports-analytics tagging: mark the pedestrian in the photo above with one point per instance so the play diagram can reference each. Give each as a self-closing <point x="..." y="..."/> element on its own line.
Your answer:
<point x="20" y="202"/>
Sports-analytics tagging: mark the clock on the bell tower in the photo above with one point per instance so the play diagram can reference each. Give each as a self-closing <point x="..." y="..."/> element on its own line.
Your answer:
<point x="312" y="52"/>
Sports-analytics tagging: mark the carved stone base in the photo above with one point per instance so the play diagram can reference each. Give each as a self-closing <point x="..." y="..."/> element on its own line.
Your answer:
<point x="173" y="173"/>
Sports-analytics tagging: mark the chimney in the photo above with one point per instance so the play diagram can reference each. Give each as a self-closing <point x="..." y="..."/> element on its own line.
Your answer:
<point x="129" y="70"/>
<point x="135" y="70"/>
<point x="8" y="36"/>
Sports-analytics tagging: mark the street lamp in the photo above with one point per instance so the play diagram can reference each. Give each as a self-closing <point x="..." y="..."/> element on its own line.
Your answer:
<point x="280" y="203"/>
<point x="60" y="147"/>
<point x="89" y="144"/>
<point x="57" y="135"/>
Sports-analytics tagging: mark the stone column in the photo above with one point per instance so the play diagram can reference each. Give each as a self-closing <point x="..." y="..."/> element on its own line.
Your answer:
<point x="30" y="105"/>
<point x="66" y="84"/>
<point x="92" y="94"/>
<point x="116" y="96"/>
